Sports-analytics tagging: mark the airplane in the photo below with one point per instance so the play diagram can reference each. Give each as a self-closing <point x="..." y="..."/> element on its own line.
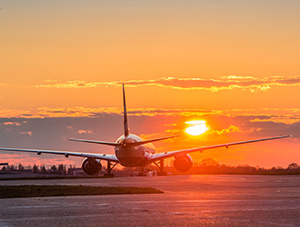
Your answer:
<point x="131" y="151"/>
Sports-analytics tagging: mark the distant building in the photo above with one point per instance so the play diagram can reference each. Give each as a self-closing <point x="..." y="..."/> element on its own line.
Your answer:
<point x="4" y="168"/>
<point x="76" y="172"/>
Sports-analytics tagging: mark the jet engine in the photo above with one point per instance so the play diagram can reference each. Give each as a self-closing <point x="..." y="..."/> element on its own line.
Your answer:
<point x="91" y="166"/>
<point x="183" y="163"/>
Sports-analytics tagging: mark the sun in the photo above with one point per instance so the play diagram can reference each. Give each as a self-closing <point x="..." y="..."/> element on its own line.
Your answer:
<point x="196" y="128"/>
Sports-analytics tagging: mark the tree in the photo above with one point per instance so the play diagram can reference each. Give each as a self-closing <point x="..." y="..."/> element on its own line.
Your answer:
<point x="293" y="166"/>
<point x="208" y="162"/>
<point x="43" y="169"/>
<point x="61" y="169"/>
<point x="11" y="167"/>
<point x="53" y="169"/>
<point x="35" y="169"/>
<point x="20" y="167"/>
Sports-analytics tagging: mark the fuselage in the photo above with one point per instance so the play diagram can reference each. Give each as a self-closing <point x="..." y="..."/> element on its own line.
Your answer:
<point x="130" y="155"/>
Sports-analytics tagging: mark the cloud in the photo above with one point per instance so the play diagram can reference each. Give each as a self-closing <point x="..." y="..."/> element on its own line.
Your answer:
<point x="26" y="133"/>
<point x="276" y="115"/>
<point x="286" y="119"/>
<point x="69" y="84"/>
<point x="81" y="131"/>
<point x="230" y="129"/>
<point x="214" y="85"/>
<point x="50" y="81"/>
<point x="13" y="123"/>
<point x="45" y="112"/>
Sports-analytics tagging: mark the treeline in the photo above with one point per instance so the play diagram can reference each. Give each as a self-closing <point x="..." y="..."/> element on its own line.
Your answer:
<point x="54" y="169"/>
<point x="206" y="166"/>
<point x="210" y="166"/>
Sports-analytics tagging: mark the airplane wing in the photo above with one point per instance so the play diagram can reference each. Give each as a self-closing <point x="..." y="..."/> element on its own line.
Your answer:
<point x="159" y="156"/>
<point x="106" y="157"/>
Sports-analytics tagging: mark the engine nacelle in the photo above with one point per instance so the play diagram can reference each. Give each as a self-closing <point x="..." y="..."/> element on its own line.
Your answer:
<point x="91" y="166"/>
<point x="183" y="163"/>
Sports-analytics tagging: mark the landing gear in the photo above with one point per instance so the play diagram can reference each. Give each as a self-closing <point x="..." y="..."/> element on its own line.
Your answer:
<point x="142" y="173"/>
<point x="160" y="165"/>
<point x="109" y="169"/>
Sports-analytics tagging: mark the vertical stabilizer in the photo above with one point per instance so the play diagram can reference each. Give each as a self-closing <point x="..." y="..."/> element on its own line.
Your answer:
<point x="126" y="129"/>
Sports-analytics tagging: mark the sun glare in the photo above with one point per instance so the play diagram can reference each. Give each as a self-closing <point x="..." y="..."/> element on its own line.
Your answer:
<point x="196" y="128"/>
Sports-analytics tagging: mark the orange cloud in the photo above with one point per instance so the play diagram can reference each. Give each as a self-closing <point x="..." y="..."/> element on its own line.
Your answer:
<point x="230" y="129"/>
<point x="26" y="133"/>
<point x="44" y="112"/>
<point x="277" y="115"/>
<point x="214" y="85"/>
<point x="68" y="84"/>
<point x="81" y="131"/>
<point x="286" y="119"/>
<point x="11" y="123"/>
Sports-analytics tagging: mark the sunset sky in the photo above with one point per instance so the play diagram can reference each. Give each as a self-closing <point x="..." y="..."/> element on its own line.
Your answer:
<point x="234" y="64"/>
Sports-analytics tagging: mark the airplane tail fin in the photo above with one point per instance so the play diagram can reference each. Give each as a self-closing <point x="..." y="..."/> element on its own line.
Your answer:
<point x="126" y="132"/>
<point x="126" y="128"/>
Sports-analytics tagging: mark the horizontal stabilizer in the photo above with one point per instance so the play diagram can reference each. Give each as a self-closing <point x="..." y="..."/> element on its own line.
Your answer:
<point x="152" y="140"/>
<point x="121" y="144"/>
<point x="97" y="142"/>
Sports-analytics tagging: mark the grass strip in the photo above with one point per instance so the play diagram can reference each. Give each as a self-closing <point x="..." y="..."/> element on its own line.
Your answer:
<point x="51" y="177"/>
<point x="66" y="190"/>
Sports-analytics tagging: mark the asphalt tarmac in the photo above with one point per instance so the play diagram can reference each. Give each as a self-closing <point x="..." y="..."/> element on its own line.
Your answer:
<point x="205" y="200"/>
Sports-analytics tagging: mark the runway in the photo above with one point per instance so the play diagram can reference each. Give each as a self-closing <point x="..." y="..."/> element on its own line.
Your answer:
<point x="205" y="200"/>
